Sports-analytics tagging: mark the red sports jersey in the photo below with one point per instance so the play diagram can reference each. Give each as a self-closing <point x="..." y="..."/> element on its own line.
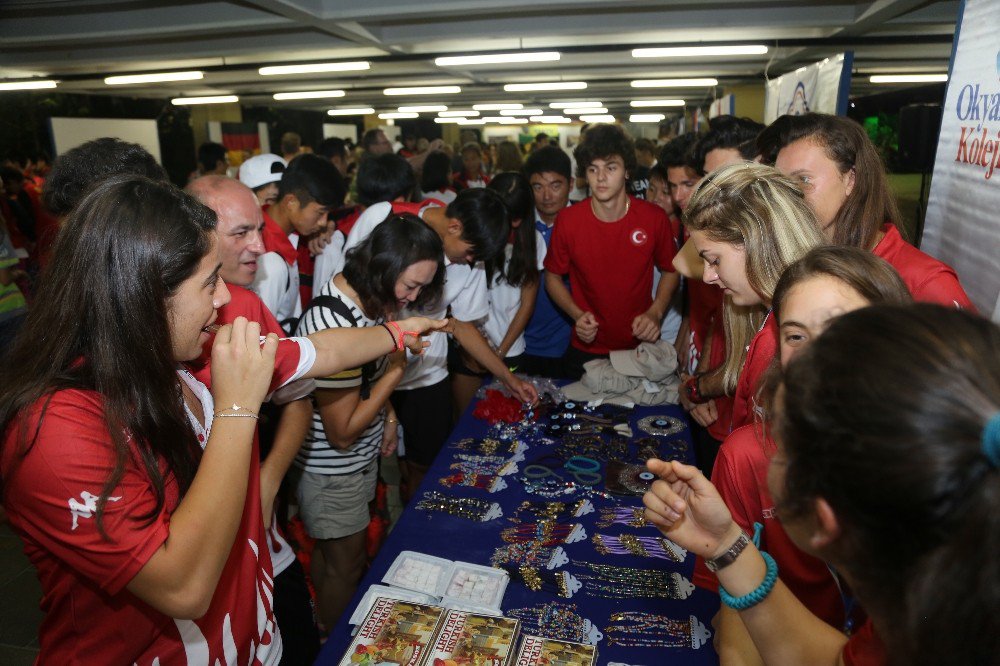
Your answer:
<point x="928" y="279"/>
<point x="610" y="266"/>
<point x="740" y="474"/>
<point x="763" y="349"/>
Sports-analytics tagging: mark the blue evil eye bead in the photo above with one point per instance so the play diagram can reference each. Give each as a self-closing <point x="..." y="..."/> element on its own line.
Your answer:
<point x="660" y="422"/>
<point x="646" y="476"/>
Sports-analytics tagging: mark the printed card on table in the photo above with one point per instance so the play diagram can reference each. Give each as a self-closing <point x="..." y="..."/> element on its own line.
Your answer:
<point x="467" y="639"/>
<point x="538" y="651"/>
<point x="395" y="632"/>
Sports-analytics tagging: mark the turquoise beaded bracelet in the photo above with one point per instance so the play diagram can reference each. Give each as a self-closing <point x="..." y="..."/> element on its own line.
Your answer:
<point x="753" y="598"/>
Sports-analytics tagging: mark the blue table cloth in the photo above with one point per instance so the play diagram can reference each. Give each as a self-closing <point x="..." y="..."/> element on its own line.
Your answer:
<point x="457" y="538"/>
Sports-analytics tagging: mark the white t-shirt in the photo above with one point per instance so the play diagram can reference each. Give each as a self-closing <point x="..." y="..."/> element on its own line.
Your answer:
<point x="277" y="284"/>
<point x="672" y="320"/>
<point x="445" y="196"/>
<point x="505" y="300"/>
<point x="329" y="262"/>
<point x="464" y="292"/>
<point x="317" y="455"/>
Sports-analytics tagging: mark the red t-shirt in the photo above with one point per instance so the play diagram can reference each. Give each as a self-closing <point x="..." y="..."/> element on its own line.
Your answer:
<point x="740" y="474"/>
<point x="610" y="266"/>
<point x="928" y="279"/>
<point x="90" y="616"/>
<point x="763" y="349"/>
<point x="865" y="648"/>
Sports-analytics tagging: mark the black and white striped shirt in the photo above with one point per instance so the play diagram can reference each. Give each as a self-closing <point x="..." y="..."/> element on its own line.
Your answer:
<point x="317" y="455"/>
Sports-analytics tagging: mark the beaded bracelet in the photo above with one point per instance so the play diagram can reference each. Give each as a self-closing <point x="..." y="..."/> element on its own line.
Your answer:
<point x="756" y="596"/>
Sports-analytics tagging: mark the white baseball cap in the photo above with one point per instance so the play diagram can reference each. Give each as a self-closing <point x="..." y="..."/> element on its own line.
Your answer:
<point x="260" y="170"/>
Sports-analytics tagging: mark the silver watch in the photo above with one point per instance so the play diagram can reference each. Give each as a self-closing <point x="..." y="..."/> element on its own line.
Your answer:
<point x="728" y="557"/>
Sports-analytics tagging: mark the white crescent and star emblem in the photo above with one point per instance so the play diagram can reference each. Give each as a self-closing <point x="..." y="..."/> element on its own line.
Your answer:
<point x="638" y="237"/>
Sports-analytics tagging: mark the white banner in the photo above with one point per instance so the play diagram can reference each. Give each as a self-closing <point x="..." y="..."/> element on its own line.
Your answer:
<point x="822" y="87"/>
<point x="962" y="227"/>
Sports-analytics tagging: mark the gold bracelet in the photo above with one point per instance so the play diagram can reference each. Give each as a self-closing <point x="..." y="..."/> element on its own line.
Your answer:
<point x="249" y="415"/>
<point x="241" y="412"/>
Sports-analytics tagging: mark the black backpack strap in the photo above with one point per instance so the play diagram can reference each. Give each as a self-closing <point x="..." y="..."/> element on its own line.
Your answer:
<point x="340" y="309"/>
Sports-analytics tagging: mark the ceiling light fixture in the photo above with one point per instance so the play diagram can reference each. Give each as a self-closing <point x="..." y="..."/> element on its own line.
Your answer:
<point x="153" y="78"/>
<point x="427" y="108"/>
<point x="521" y="112"/>
<point x="314" y="68"/>
<point x="576" y="112"/>
<point x="359" y="111"/>
<point x="497" y="107"/>
<point x="646" y="117"/>
<point x="309" y="94"/>
<point x="604" y="118"/>
<point x="908" y="78"/>
<point x="554" y="85"/>
<point x="211" y="99"/>
<point x="551" y="120"/>
<point x="497" y="58"/>
<point x="576" y="105"/>
<point x="674" y="83"/>
<point x="699" y="51"/>
<point x="398" y="115"/>
<point x="506" y="120"/>
<point x="27" y="85"/>
<point x="442" y="121"/>
<point x="457" y="114"/>
<point x="471" y="121"/>
<point x="423" y="90"/>
<point x="653" y="103"/>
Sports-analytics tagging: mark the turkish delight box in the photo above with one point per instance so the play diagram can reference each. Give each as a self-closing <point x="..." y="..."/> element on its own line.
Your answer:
<point x="395" y="632"/>
<point x="538" y="651"/>
<point x="469" y="639"/>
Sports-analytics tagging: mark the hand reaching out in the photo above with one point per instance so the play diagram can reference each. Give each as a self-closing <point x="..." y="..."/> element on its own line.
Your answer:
<point x="586" y="327"/>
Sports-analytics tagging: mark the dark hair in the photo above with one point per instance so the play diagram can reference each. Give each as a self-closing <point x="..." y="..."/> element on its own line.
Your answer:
<point x="883" y="417"/>
<point x="871" y="202"/>
<point x="659" y="170"/>
<point x="291" y="142"/>
<point x="472" y="146"/>
<point x="369" y="138"/>
<point x="77" y="170"/>
<point x="517" y="196"/>
<point x="436" y="172"/>
<point x="210" y="154"/>
<point x="311" y="178"/>
<point x="508" y="157"/>
<point x="485" y="225"/>
<point x="100" y="323"/>
<point x="541" y="135"/>
<point x="645" y="145"/>
<point x="384" y="178"/>
<point x="679" y="152"/>
<point x="11" y="175"/>
<point x="600" y="142"/>
<point x="548" y="159"/>
<point x="332" y="147"/>
<point x="373" y="266"/>
<point x="727" y="132"/>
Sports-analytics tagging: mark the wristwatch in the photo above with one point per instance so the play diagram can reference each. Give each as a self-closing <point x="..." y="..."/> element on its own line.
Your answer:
<point x="728" y="557"/>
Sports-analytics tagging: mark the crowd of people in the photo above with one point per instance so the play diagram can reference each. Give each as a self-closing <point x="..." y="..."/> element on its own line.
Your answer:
<point x="182" y="354"/>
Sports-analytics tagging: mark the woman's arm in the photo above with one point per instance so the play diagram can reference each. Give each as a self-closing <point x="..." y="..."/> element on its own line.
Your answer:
<point x="346" y="416"/>
<point x="338" y="349"/>
<point x="180" y="578"/>
<point x="529" y="292"/>
<point x="296" y="418"/>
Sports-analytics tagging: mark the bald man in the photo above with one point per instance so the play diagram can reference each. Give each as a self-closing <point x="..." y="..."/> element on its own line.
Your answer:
<point x="239" y="226"/>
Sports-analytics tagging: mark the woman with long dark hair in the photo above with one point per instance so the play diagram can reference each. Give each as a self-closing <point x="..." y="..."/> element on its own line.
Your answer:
<point x="135" y="488"/>
<point x="887" y="468"/>
<point x="400" y="264"/>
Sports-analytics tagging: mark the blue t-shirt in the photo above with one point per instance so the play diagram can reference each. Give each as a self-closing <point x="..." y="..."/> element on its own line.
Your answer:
<point x="548" y="331"/>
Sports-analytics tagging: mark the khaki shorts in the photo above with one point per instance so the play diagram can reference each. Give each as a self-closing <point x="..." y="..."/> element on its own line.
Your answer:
<point x="332" y="507"/>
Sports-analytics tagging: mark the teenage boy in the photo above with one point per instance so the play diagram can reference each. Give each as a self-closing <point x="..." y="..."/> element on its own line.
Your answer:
<point x="546" y="338"/>
<point x="262" y="173"/>
<point x="309" y="189"/>
<point x="608" y="244"/>
<point x="472" y="228"/>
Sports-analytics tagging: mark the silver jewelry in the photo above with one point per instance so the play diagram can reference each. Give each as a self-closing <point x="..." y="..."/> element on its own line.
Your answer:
<point x="728" y="557"/>
<point x="661" y="425"/>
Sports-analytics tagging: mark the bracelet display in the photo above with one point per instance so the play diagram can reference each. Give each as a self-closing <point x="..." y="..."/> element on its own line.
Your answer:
<point x="754" y="597"/>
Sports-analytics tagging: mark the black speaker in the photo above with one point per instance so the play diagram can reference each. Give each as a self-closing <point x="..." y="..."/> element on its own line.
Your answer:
<point x="919" y="125"/>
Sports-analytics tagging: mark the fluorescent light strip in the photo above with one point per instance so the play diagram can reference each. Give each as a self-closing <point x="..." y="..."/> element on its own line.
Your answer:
<point x="496" y="107"/>
<point x="646" y="117"/>
<point x="153" y="78"/>
<point x="360" y="111"/>
<point x="506" y="120"/>
<point x="555" y="85"/>
<point x="457" y="114"/>
<point x="551" y="120"/>
<point x="908" y="78"/>
<point x="604" y="118"/>
<point x="471" y="121"/>
<point x="314" y="68"/>
<point x="576" y="112"/>
<point x="674" y="83"/>
<point x="576" y="105"/>
<point x="27" y="85"/>
<point x="428" y="108"/>
<point x="653" y="103"/>
<point x="397" y="115"/>
<point x="699" y="51"/>
<point x="309" y="94"/>
<point x="212" y="99"/>
<point x="423" y="90"/>
<point x="494" y="119"/>
<point x="442" y="121"/>
<point x="521" y="112"/>
<point x="456" y="61"/>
